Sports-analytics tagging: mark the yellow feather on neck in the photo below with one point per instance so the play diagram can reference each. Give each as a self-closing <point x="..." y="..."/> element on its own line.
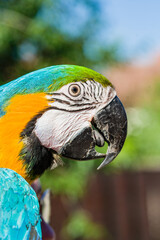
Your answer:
<point x="21" y="109"/>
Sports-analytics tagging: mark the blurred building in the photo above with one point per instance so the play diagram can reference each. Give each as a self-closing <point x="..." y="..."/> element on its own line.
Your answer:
<point x="132" y="80"/>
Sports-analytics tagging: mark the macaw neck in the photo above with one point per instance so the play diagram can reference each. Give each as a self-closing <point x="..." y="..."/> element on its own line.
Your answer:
<point x="20" y="110"/>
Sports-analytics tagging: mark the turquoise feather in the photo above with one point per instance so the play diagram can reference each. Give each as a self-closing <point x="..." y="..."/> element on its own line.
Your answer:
<point x="19" y="208"/>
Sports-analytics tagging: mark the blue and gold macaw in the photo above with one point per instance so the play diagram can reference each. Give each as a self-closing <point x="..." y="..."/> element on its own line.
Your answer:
<point x="59" y="111"/>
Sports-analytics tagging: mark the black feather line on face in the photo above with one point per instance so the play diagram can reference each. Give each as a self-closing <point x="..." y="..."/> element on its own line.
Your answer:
<point x="31" y="124"/>
<point x="36" y="157"/>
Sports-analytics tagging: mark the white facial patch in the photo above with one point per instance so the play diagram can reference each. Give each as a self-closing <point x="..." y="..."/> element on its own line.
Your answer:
<point x="56" y="127"/>
<point x="70" y="114"/>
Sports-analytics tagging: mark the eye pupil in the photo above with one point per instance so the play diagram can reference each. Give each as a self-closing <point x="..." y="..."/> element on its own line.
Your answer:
<point x="74" y="89"/>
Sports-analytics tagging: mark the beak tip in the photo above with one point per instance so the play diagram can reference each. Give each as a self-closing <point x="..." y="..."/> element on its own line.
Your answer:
<point x="99" y="167"/>
<point x="102" y="165"/>
<point x="109" y="158"/>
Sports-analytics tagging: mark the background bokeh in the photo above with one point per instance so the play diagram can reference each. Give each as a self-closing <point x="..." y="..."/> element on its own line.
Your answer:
<point x="120" y="39"/>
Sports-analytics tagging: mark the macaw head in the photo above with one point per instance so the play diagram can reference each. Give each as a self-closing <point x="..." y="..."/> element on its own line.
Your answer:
<point x="80" y="111"/>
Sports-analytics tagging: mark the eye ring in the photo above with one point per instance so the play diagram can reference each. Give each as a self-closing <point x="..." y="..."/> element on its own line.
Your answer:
<point x="74" y="90"/>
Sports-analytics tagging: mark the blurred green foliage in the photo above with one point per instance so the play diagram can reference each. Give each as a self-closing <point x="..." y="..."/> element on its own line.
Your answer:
<point x="40" y="33"/>
<point x="81" y="226"/>
<point x="69" y="180"/>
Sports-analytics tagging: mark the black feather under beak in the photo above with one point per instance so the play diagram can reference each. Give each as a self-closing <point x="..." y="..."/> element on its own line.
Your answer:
<point x="110" y="125"/>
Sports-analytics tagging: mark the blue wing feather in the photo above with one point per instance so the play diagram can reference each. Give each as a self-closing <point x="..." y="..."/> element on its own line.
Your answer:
<point x="19" y="208"/>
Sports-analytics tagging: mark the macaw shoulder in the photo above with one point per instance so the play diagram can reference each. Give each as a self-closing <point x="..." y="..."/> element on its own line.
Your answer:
<point x="19" y="208"/>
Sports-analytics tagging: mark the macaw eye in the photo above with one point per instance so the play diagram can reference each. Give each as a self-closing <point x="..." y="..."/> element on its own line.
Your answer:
<point x="74" y="90"/>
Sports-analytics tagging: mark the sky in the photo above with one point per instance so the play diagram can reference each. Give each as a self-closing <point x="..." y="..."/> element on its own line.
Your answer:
<point x="136" y="25"/>
<point x="133" y="24"/>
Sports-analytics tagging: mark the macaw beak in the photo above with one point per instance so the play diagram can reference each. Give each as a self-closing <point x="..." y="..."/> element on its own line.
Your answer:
<point x="108" y="125"/>
<point x="111" y="121"/>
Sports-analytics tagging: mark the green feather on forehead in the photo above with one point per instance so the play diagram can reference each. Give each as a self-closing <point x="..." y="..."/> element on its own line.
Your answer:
<point x="72" y="73"/>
